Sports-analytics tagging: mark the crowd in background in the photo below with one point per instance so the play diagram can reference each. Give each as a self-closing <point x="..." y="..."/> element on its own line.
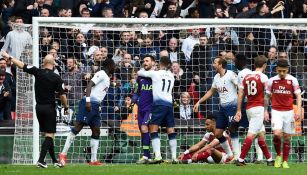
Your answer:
<point x="78" y="52"/>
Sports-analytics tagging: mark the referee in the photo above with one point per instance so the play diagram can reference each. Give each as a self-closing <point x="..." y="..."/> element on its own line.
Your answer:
<point x="47" y="83"/>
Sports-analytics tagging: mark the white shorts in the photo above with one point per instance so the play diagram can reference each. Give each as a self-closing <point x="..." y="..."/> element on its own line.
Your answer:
<point x="255" y="116"/>
<point x="211" y="161"/>
<point x="283" y="120"/>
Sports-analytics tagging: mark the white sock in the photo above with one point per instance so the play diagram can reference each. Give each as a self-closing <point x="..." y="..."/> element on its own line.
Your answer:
<point x="235" y="147"/>
<point x="69" y="140"/>
<point x="258" y="150"/>
<point x="226" y="147"/>
<point x="94" y="148"/>
<point x="156" y="147"/>
<point x="173" y="146"/>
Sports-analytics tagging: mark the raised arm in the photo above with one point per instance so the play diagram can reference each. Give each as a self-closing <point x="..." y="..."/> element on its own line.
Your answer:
<point x="17" y="62"/>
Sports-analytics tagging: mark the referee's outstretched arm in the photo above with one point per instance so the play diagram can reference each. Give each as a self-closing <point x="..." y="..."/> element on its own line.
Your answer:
<point x="20" y="65"/>
<point x="17" y="62"/>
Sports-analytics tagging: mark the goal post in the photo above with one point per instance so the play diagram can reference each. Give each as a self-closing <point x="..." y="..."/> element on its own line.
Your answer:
<point x="189" y="130"/>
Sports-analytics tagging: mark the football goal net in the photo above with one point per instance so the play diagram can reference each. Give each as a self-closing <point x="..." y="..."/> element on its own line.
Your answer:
<point x="78" y="44"/>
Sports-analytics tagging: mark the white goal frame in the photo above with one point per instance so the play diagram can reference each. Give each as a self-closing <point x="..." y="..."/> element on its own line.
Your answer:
<point x="38" y="20"/>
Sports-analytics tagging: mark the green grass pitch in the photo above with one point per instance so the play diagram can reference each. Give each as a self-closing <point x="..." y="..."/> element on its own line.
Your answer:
<point x="120" y="169"/>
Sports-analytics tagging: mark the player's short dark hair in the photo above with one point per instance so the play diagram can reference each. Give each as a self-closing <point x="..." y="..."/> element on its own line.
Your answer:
<point x="282" y="63"/>
<point x="240" y="61"/>
<point x="222" y="61"/>
<point x="108" y="65"/>
<point x="165" y="61"/>
<point x="260" y="61"/>
<point x="150" y="56"/>
<point x="211" y="117"/>
<point x="2" y="59"/>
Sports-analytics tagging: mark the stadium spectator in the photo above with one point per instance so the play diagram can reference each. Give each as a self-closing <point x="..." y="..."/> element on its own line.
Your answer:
<point x="73" y="82"/>
<point x="17" y="39"/>
<point x="44" y="13"/>
<point x="188" y="45"/>
<point x="173" y="50"/>
<point x="107" y="12"/>
<point x="149" y="47"/>
<point x="272" y="58"/>
<point x="78" y="48"/>
<point x="85" y="13"/>
<point x="201" y="59"/>
<point x="157" y="8"/>
<point x="185" y="107"/>
<point x="99" y="6"/>
<point x="5" y="98"/>
<point x="10" y="81"/>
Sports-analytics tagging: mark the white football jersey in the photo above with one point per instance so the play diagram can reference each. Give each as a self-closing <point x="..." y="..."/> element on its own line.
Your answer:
<point x="242" y="74"/>
<point x="162" y="86"/>
<point x="102" y="84"/>
<point x="226" y="86"/>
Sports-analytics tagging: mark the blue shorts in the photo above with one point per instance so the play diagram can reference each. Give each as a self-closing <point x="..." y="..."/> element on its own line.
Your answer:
<point x="225" y="116"/>
<point x="162" y="116"/>
<point x="143" y="117"/>
<point x="91" y="118"/>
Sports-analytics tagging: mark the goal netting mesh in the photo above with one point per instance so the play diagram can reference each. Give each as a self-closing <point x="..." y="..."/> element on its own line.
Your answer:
<point x="77" y="47"/>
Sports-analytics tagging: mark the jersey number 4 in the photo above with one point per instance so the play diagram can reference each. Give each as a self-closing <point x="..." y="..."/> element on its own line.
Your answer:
<point x="251" y="87"/>
<point x="169" y="85"/>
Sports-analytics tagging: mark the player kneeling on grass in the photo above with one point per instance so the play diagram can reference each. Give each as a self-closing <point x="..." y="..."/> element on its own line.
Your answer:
<point x="89" y="110"/>
<point x="208" y="149"/>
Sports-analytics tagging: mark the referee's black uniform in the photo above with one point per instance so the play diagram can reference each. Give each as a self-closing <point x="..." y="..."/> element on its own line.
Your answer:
<point x="46" y="84"/>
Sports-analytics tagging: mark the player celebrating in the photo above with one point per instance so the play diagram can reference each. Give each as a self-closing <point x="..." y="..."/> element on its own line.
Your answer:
<point x="144" y="91"/>
<point x="253" y="86"/>
<point x="210" y="153"/>
<point x="282" y="87"/>
<point x="225" y="83"/>
<point x="162" y="109"/>
<point x="89" y="113"/>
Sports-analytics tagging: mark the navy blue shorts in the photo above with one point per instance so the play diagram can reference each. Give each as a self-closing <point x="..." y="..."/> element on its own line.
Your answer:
<point x="162" y="116"/>
<point x="143" y="117"/>
<point x="225" y="116"/>
<point x="91" y="118"/>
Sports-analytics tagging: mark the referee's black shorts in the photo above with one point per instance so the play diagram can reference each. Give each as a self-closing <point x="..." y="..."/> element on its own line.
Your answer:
<point x="46" y="115"/>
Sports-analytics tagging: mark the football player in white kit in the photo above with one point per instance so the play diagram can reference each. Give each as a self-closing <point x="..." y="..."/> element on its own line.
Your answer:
<point x="89" y="111"/>
<point x="225" y="83"/>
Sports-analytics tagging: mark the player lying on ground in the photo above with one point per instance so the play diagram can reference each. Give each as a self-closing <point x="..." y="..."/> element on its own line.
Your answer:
<point x="208" y="149"/>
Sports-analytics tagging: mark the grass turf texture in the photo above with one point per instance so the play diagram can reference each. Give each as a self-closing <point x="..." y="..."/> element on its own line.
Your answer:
<point x="120" y="169"/>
